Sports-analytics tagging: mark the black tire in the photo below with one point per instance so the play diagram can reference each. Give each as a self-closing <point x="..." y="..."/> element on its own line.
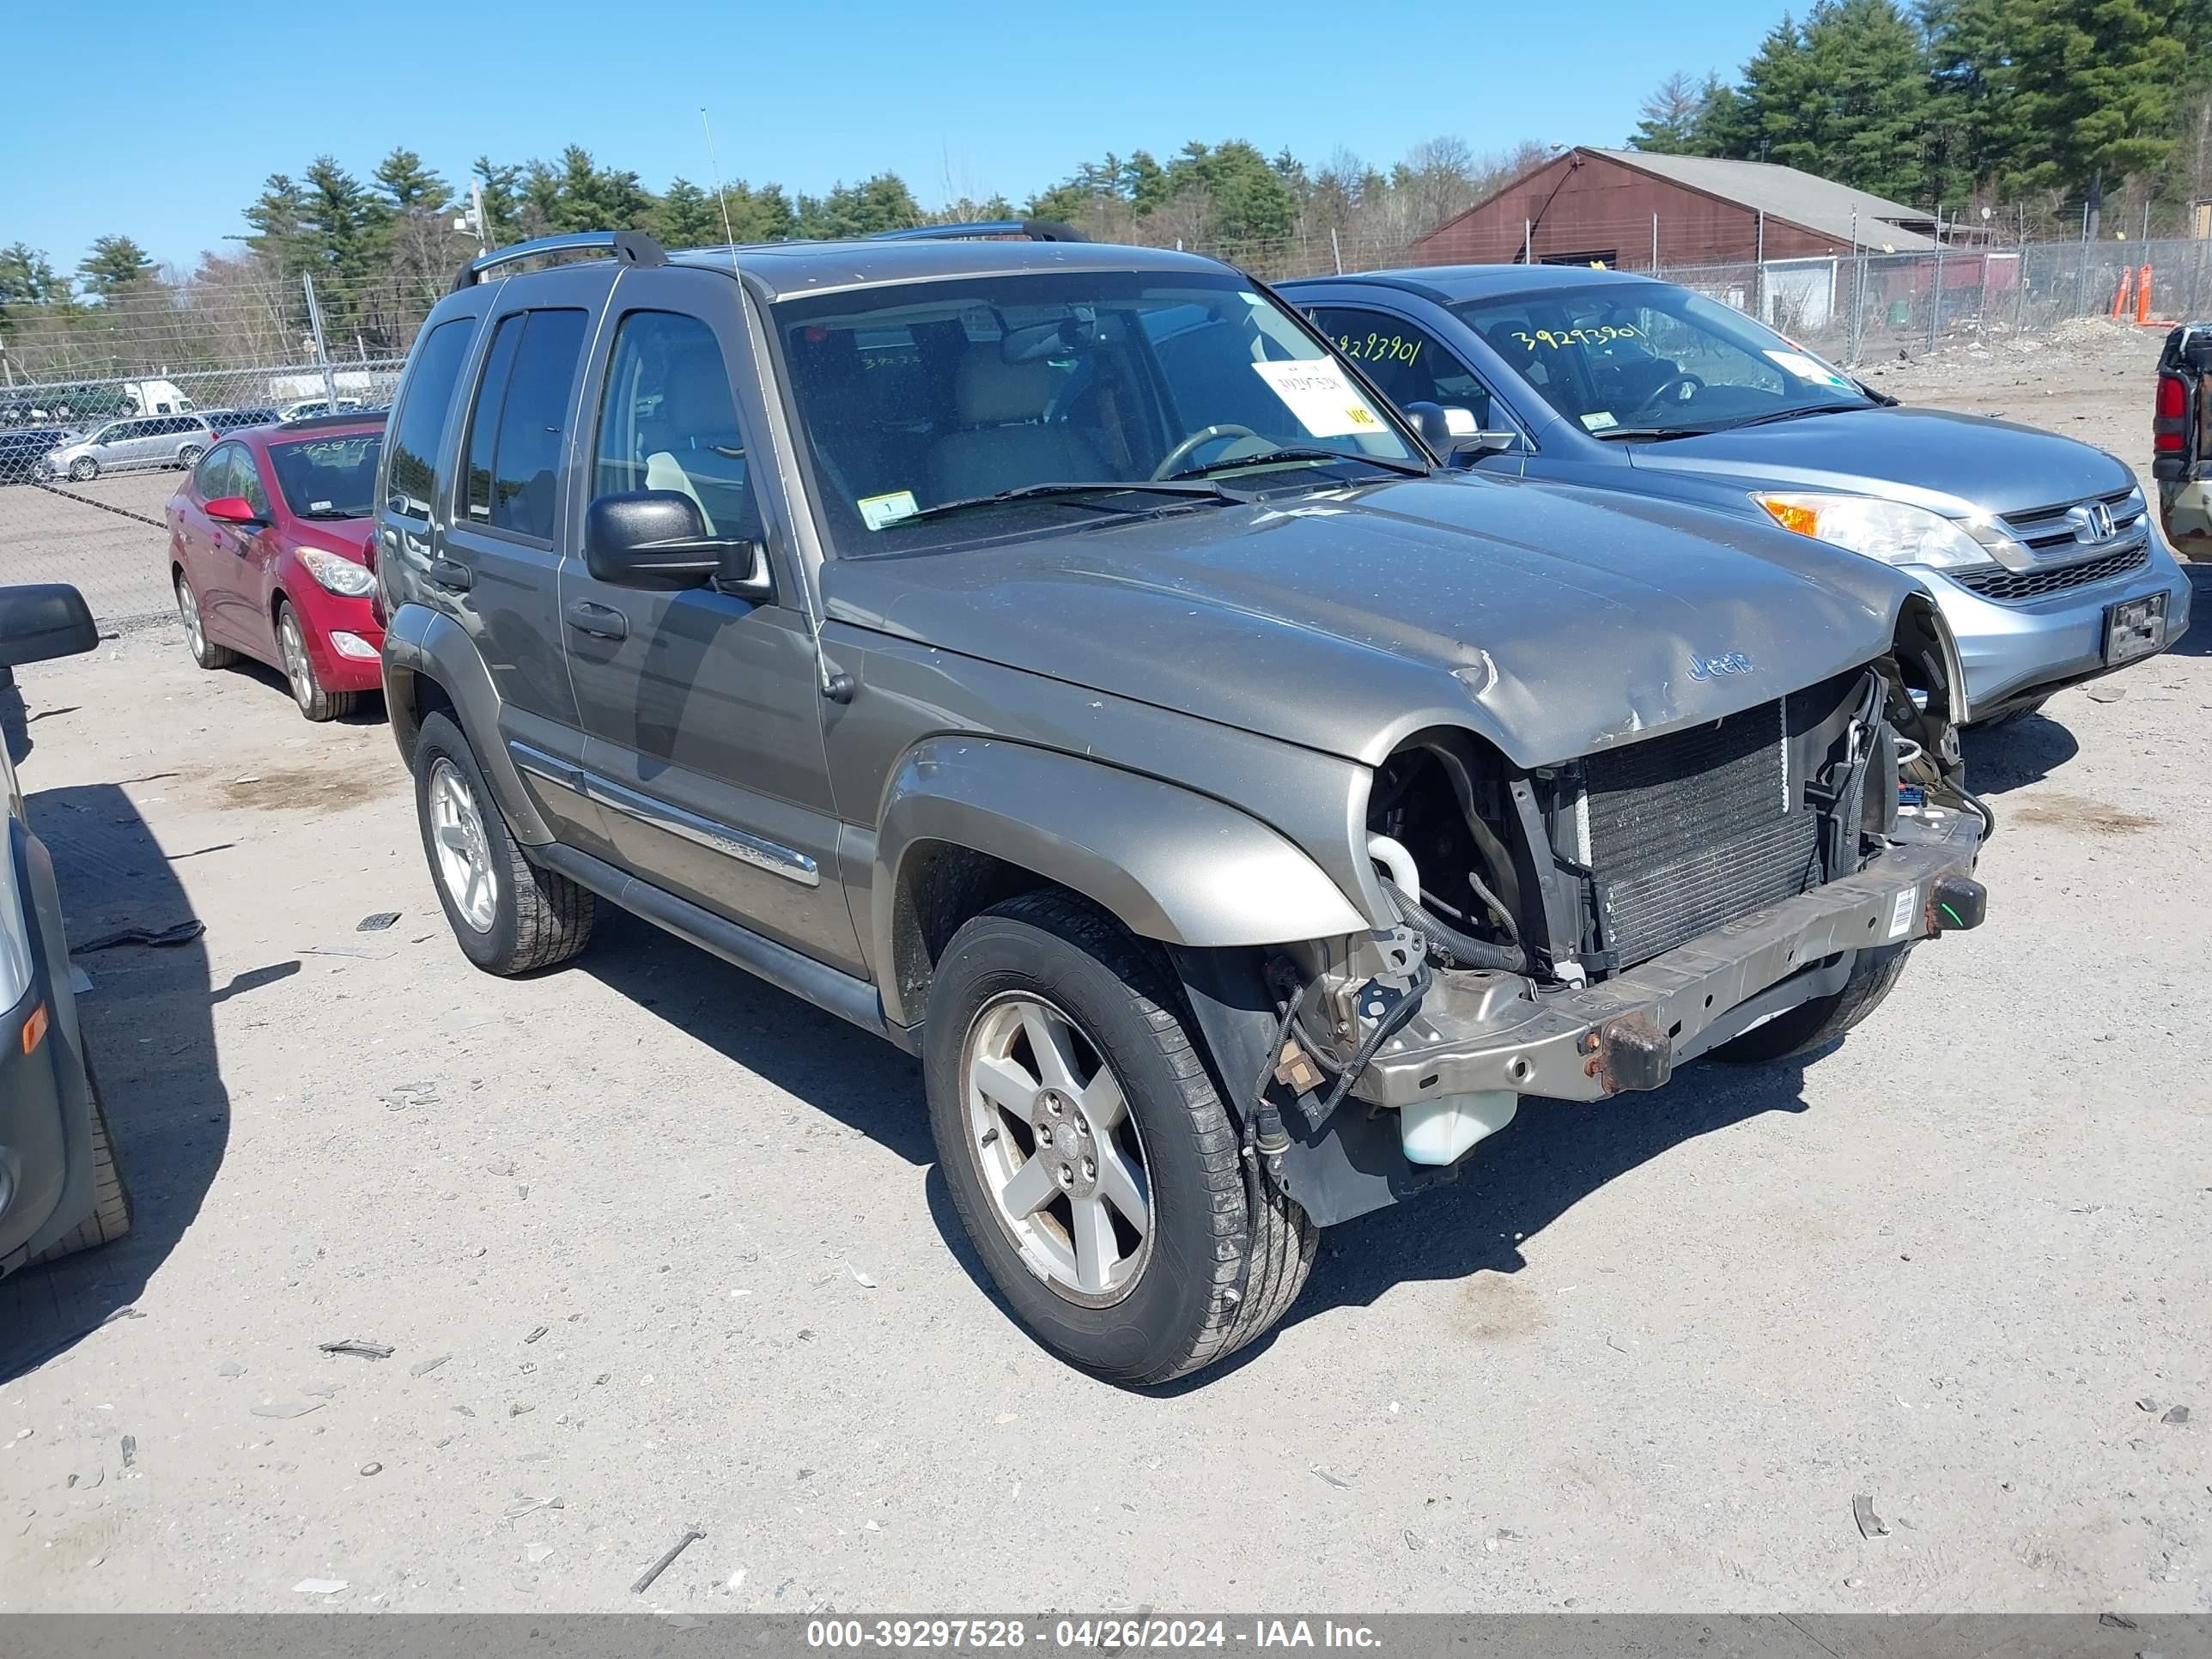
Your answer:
<point x="188" y="455"/>
<point x="1216" y="1276"/>
<point x="537" y="917"/>
<point x="1816" y="1023"/>
<point x="84" y="468"/>
<point x="111" y="1206"/>
<point x="205" y="652"/>
<point x="315" y="703"/>
<point x="2010" y="717"/>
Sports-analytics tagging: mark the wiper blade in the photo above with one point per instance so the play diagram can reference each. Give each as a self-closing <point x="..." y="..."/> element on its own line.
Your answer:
<point x="1073" y="494"/>
<point x="334" y="515"/>
<point x="1793" y="415"/>
<point x="1653" y="433"/>
<point x="1284" y="456"/>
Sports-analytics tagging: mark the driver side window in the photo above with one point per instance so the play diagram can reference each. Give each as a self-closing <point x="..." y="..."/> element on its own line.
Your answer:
<point x="668" y="419"/>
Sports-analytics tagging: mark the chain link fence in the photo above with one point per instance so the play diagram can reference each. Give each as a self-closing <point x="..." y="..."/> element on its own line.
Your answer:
<point x="91" y="444"/>
<point x="88" y="466"/>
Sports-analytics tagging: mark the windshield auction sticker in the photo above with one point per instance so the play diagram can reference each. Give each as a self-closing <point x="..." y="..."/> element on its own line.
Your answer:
<point x="1326" y="404"/>
<point x="877" y="511"/>
<point x="1811" y="368"/>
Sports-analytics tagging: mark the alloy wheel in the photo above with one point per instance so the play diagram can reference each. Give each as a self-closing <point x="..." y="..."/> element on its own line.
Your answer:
<point x="1061" y="1156"/>
<point x="188" y="608"/>
<point x="297" y="668"/>
<point x="465" y="866"/>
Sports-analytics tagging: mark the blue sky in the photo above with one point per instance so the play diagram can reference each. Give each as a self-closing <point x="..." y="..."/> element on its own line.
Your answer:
<point x="161" y="123"/>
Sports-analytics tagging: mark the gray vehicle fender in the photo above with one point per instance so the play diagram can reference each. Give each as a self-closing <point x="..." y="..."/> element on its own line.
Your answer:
<point x="420" y="640"/>
<point x="1169" y="863"/>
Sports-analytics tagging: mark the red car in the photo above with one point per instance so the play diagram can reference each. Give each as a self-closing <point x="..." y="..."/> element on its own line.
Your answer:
<point x="269" y="556"/>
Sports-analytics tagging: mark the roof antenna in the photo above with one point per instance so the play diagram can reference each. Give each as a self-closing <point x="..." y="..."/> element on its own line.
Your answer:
<point x="715" y="169"/>
<point x="835" y="687"/>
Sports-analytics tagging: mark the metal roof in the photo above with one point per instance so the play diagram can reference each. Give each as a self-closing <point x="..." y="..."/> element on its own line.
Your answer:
<point x="1449" y="284"/>
<point x="786" y="269"/>
<point x="1803" y="198"/>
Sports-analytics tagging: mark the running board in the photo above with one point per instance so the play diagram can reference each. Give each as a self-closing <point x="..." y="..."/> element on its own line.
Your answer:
<point x="786" y="969"/>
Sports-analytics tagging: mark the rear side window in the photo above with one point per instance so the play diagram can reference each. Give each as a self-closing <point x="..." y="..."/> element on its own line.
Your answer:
<point x="418" y="437"/>
<point x="517" y="428"/>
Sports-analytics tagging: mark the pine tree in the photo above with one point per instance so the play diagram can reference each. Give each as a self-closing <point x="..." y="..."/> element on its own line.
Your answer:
<point x="114" y="264"/>
<point x="2096" y="81"/>
<point x="409" y="187"/>
<point x="1867" y="118"/>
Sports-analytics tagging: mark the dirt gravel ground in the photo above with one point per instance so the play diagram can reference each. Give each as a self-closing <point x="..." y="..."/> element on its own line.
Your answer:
<point x="656" y="1247"/>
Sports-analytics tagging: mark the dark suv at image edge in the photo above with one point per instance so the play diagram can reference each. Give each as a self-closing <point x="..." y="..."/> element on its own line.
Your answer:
<point x="1058" y="661"/>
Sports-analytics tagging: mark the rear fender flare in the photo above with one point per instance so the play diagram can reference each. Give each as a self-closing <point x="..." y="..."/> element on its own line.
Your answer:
<point x="420" y="642"/>
<point x="1169" y="863"/>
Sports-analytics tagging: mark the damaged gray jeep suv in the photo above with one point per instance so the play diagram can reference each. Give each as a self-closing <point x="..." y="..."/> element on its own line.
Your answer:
<point x="1054" y="658"/>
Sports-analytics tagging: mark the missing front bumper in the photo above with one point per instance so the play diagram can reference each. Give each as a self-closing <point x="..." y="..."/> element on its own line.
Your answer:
<point x="1479" y="1033"/>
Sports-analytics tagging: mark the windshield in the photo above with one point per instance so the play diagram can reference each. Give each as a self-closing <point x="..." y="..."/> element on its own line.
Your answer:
<point x="1650" y="359"/>
<point x="914" y="397"/>
<point x="329" y="477"/>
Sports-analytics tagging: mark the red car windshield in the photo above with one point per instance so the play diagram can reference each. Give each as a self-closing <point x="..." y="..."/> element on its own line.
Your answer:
<point x="332" y="477"/>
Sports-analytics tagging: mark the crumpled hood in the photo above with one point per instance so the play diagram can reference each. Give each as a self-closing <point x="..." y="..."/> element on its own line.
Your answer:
<point x="1575" y="619"/>
<point x="1954" y="464"/>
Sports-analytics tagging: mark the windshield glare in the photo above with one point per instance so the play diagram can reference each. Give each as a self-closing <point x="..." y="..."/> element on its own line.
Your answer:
<point x="1651" y="357"/>
<point x="329" y="477"/>
<point x="914" y="395"/>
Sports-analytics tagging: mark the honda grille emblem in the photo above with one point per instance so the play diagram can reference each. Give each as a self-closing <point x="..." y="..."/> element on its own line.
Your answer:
<point x="2092" y="521"/>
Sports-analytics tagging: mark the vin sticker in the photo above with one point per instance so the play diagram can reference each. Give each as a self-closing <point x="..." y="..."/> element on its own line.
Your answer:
<point x="1900" y="913"/>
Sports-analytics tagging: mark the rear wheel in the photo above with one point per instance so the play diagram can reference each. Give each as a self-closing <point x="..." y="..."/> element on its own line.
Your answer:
<point x="1090" y="1156"/>
<point x="188" y="455"/>
<point x="1816" y="1023"/>
<point x="508" y="915"/>
<point x="111" y="1206"/>
<point x="205" y="652"/>
<point x="315" y="703"/>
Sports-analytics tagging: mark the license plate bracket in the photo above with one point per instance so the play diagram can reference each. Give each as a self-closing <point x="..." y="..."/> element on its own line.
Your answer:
<point x="2134" y="628"/>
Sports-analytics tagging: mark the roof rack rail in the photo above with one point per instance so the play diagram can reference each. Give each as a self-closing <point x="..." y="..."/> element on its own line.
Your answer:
<point x="632" y="248"/>
<point x="1038" y="230"/>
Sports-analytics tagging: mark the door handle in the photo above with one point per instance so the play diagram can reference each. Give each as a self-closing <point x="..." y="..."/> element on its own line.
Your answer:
<point x="444" y="573"/>
<point x="601" y="621"/>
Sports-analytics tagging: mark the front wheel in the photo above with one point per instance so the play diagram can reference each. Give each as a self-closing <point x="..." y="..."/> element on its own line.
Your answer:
<point x="84" y="468"/>
<point x="1090" y="1156"/>
<point x="1816" y="1023"/>
<point x="315" y="702"/>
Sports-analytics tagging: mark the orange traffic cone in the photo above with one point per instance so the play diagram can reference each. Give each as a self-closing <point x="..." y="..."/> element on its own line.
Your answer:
<point x="2142" y="297"/>
<point x="2121" y="294"/>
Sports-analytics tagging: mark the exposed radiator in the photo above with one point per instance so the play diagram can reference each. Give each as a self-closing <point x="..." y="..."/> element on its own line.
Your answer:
<point x="1692" y="830"/>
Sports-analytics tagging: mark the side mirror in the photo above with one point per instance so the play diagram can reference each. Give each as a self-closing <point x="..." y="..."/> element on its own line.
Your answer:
<point x="658" y="538"/>
<point x="43" y="621"/>
<point x="1455" y="435"/>
<point x="234" y="509"/>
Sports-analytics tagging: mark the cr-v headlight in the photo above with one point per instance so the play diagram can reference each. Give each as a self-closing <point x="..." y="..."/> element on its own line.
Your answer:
<point x="1892" y="531"/>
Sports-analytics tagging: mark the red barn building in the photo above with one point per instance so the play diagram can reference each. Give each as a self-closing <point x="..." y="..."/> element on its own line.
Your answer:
<point x="1609" y="206"/>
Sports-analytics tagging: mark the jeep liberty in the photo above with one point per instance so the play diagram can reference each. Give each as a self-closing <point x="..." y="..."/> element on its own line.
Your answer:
<point x="1055" y="660"/>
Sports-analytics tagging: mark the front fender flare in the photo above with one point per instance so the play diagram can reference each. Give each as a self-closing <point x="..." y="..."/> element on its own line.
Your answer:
<point x="1169" y="863"/>
<point x="421" y="642"/>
